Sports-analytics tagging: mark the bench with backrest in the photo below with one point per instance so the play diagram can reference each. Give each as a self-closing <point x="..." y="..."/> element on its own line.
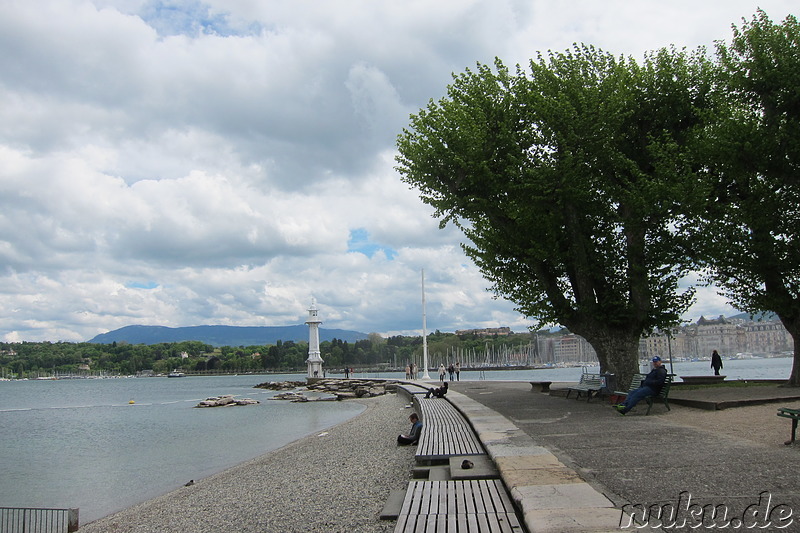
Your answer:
<point x="445" y="432"/>
<point x="662" y="396"/>
<point x="794" y="416"/>
<point x="589" y="383"/>
<point x="466" y="506"/>
<point x="636" y="382"/>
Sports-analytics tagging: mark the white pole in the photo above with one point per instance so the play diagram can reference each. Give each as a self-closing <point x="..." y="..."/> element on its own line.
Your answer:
<point x="425" y="374"/>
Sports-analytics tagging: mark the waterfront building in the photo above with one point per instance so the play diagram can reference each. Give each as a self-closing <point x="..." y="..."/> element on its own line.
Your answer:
<point x="730" y="337"/>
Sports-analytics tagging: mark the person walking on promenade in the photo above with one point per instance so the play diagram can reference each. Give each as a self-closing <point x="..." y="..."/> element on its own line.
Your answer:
<point x="652" y="385"/>
<point x="416" y="431"/>
<point x="441" y="372"/>
<point x="716" y="362"/>
<point x="451" y="370"/>
<point x="408" y="371"/>
<point x="458" y="371"/>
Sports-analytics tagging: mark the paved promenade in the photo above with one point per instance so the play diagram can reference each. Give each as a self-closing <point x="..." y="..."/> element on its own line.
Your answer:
<point x="733" y="459"/>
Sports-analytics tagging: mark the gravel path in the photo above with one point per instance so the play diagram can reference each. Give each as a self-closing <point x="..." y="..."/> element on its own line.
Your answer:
<point x="336" y="481"/>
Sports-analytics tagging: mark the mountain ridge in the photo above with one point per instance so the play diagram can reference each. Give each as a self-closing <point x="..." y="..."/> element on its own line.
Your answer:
<point x="217" y="335"/>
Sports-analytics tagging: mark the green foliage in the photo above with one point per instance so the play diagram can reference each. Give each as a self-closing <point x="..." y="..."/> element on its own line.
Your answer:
<point x="750" y="235"/>
<point x="44" y="358"/>
<point x="567" y="179"/>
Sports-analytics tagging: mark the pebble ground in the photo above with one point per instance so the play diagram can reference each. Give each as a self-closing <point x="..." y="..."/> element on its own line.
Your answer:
<point x="334" y="481"/>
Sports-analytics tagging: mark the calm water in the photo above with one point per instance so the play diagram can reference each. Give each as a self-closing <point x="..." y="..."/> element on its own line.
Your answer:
<point x="79" y="443"/>
<point x="774" y="368"/>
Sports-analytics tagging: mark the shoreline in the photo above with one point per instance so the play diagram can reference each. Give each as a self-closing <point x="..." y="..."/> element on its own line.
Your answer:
<point x="335" y="480"/>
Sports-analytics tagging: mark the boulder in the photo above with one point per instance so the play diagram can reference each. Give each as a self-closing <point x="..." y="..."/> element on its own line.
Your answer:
<point x="222" y="401"/>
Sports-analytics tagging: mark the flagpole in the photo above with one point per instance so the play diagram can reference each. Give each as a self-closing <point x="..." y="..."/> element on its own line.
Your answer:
<point x="425" y="374"/>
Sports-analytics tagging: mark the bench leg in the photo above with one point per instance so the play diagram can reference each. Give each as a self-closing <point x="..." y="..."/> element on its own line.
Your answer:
<point x="794" y="432"/>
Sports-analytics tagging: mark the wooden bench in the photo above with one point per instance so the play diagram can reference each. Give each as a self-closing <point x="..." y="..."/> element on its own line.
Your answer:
<point x="463" y="506"/>
<point x="662" y="396"/>
<point x="589" y="383"/>
<point x="445" y="432"/>
<point x="794" y="415"/>
<point x="541" y="386"/>
<point x="636" y="382"/>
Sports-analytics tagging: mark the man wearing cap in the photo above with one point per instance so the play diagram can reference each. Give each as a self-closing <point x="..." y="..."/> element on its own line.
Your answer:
<point x="651" y="386"/>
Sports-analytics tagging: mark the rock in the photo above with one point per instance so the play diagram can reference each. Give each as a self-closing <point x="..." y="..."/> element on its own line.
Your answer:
<point x="222" y="401"/>
<point x="280" y="385"/>
<point x="292" y="396"/>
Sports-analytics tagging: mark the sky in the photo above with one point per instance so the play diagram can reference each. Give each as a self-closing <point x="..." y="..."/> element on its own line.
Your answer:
<point x="182" y="163"/>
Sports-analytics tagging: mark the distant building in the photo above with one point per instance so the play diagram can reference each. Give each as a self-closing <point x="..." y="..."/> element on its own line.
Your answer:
<point x="728" y="337"/>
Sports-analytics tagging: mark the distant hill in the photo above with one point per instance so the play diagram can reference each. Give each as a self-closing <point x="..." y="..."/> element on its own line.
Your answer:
<point x="222" y="335"/>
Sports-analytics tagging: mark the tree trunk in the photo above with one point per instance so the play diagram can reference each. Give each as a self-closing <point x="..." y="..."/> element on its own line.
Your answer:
<point x="793" y="327"/>
<point x="617" y="351"/>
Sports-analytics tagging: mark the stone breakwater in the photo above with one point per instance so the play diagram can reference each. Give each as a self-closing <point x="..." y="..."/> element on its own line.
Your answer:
<point x="329" y="389"/>
<point x="226" y="400"/>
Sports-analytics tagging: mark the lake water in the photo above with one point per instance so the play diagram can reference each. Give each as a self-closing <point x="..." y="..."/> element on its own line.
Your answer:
<point x="773" y="368"/>
<point x="80" y="443"/>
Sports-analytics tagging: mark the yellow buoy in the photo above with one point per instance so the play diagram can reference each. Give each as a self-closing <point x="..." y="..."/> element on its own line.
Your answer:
<point x="131" y="402"/>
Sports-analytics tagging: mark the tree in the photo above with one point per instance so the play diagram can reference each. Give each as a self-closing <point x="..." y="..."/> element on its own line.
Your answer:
<point x="567" y="181"/>
<point x="750" y="239"/>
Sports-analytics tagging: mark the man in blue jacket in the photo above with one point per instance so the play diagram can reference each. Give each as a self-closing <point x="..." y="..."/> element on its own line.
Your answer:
<point x="651" y="386"/>
<point x="416" y="431"/>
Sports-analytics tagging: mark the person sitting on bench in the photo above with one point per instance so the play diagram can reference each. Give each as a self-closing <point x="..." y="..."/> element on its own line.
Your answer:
<point x="438" y="392"/>
<point x="416" y="431"/>
<point x="651" y="386"/>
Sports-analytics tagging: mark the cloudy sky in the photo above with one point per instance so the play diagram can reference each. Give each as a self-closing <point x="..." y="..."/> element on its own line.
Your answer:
<point x="188" y="162"/>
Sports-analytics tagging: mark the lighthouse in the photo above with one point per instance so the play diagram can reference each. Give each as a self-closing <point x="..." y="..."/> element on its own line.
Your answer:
<point x="314" y="360"/>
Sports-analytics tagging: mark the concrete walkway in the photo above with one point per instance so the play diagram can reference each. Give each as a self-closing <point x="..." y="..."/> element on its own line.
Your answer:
<point x="573" y="465"/>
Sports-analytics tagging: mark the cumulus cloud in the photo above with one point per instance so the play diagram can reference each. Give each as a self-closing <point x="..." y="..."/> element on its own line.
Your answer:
<point x="186" y="162"/>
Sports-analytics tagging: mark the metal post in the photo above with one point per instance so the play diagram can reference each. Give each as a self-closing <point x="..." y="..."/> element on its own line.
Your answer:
<point x="425" y="374"/>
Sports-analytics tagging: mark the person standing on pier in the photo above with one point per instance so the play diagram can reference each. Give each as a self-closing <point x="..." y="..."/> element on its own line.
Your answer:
<point x="716" y="362"/>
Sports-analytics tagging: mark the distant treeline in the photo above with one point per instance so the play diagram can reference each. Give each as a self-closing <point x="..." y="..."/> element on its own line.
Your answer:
<point x="30" y="359"/>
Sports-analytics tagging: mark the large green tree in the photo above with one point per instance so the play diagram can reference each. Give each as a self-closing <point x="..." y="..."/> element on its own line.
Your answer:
<point x="567" y="179"/>
<point x="751" y="237"/>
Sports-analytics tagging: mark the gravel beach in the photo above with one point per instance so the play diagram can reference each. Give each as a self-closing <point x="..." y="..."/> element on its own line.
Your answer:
<point x="335" y="481"/>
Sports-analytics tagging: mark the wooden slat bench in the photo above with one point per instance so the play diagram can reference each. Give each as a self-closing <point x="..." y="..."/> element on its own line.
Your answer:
<point x="636" y="382"/>
<point x="589" y="383"/>
<point x="794" y="415"/>
<point x="662" y="396"/>
<point x="463" y="506"/>
<point x="445" y="432"/>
